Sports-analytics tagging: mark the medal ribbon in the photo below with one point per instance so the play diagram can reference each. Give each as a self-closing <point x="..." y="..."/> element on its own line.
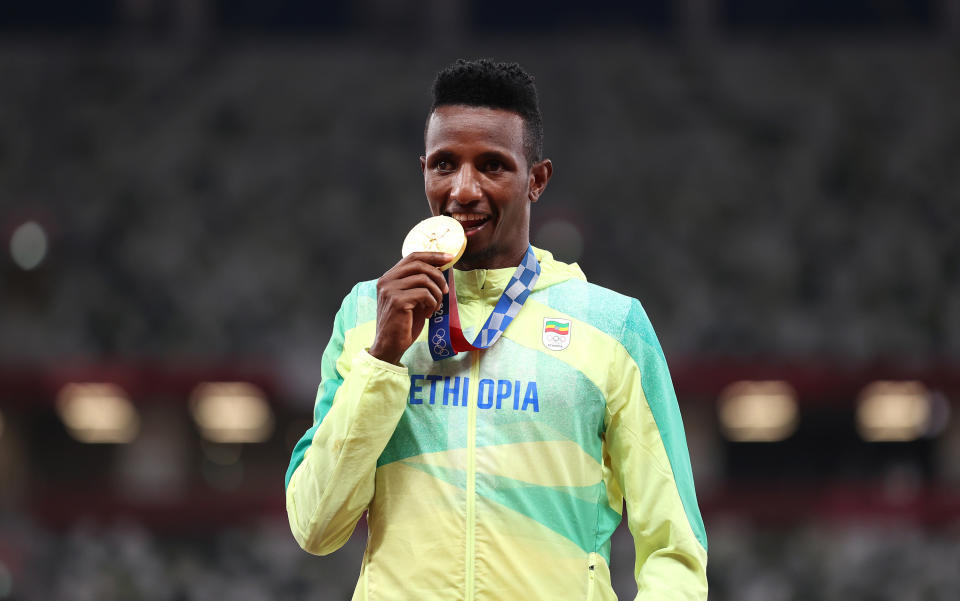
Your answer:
<point x="445" y="335"/>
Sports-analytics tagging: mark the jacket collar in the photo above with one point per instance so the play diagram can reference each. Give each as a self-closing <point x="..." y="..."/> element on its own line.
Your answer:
<point x="489" y="283"/>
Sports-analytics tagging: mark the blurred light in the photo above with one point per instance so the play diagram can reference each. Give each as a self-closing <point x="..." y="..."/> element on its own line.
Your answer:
<point x="763" y="411"/>
<point x="98" y="413"/>
<point x="893" y="411"/>
<point x="231" y="412"/>
<point x="28" y="245"/>
<point x="561" y="238"/>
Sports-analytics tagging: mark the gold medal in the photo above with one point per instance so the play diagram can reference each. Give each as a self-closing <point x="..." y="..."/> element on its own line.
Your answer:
<point x="439" y="234"/>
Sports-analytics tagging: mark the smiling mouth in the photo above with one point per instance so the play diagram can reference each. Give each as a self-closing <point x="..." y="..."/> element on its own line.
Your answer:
<point x="471" y="222"/>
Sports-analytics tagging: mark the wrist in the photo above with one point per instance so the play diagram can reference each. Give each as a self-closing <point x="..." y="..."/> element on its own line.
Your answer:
<point x="387" y="355"/>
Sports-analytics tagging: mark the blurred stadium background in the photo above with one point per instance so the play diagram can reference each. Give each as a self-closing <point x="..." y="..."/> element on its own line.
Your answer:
<point x="188" y="189"/>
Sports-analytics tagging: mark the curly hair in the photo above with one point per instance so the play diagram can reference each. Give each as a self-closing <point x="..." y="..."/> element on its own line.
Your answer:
<point x="497" y="85"/>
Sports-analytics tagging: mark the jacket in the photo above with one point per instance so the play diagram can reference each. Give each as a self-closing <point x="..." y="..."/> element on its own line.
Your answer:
<point x="500" y="475"/>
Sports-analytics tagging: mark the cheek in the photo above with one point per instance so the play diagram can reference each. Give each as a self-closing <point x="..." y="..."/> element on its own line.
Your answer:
<point x="434" y="198"/>
<point x="433" y="187"/>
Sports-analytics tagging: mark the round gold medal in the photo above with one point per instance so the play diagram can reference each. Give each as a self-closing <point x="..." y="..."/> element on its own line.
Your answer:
<point x="439" y="234"/>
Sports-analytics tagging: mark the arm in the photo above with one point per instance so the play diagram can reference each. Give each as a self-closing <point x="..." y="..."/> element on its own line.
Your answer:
<point x="330" y="480"/>
<point x="649" y="458"/>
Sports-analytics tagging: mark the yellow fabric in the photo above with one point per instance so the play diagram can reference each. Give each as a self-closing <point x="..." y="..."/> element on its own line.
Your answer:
<point x="326" y="498"/>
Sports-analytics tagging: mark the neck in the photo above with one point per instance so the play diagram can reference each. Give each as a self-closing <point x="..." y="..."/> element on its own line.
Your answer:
<point x="491" y="259"/>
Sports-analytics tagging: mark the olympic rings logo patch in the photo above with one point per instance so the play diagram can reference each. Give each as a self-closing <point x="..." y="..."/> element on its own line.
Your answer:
<point x="439" y="343"/>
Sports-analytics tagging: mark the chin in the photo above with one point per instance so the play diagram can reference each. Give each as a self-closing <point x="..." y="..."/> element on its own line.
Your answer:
<point x="474" y="258"/>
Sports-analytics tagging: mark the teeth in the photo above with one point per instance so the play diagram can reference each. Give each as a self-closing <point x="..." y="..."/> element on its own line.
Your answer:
<point x="467" y="216"/>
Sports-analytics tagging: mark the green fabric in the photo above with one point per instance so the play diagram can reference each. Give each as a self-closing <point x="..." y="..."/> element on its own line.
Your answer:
<point x="331" y="379"/>
<point x="572" y="393"/>
<point x="623" y="318"/>
<point x="426" y="428"/>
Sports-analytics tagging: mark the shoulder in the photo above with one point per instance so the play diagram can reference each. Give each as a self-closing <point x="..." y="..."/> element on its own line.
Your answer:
<point x="366" y="289"/>
<point x="619" y="316"/>
<point x="360" y="304"/>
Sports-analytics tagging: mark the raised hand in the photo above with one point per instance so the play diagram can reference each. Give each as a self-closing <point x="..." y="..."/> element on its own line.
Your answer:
<point x="407" y="295"/>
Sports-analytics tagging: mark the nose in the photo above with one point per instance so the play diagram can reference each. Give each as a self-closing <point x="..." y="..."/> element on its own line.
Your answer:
<point x="466" y="185"/>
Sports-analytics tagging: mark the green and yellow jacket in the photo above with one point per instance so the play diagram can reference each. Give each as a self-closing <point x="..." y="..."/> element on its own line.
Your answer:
<point x="500" y="475"/>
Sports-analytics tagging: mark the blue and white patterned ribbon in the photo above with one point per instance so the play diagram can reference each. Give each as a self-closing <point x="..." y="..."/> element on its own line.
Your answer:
<point x="445" y="334"/>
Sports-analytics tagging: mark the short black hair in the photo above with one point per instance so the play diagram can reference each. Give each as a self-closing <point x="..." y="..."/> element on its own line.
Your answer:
<point x="484" y="82"/>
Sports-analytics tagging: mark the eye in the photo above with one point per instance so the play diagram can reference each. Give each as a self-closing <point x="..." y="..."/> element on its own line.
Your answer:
<point x="493" y="165"/>
<point x="444" y="166"/>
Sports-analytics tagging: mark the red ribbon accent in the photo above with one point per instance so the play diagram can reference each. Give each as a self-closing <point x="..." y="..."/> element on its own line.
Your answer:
<point x="457" y="339"/>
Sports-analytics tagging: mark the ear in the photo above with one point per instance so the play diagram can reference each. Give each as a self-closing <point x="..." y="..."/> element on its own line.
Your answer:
<point x="539" y="176"/>
<point x="423" y="164"/>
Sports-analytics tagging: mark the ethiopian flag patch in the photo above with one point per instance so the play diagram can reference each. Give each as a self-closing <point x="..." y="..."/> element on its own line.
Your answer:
<point x="556" y="333"/>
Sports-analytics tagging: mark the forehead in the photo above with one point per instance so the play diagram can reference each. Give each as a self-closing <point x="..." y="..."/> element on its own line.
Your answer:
<point x="457" y="125"/>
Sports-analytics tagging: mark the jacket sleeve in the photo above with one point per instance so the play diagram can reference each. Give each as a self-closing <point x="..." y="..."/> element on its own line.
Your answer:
<point x="648" y="455"/>
<point x="330" y="481"/>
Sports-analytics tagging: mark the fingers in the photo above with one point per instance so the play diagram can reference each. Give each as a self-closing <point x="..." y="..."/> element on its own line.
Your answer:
<point x="435" y="259"/>
<point x="418" y="300"/>
<point x="417" y="282"/>
<point x="419" y="263"/>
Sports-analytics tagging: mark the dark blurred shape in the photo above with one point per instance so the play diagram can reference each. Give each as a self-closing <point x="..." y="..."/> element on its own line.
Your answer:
<point x="830" y="14"/>
<point x="283" y="16"/>
<point x="58" y="15"/>
<point x="509" y="16"/>
<point x="793" y="203"/>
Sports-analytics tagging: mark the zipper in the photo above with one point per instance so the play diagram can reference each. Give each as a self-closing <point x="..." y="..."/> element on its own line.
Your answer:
<point x="592" y="570"/>
<point x="472" y="470"/>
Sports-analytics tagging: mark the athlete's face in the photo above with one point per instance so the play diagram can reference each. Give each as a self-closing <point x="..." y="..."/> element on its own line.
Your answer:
<point x="475" y="171"/>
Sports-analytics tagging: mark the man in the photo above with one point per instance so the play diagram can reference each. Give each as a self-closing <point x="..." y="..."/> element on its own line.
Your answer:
<point x="499" y="473"/>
